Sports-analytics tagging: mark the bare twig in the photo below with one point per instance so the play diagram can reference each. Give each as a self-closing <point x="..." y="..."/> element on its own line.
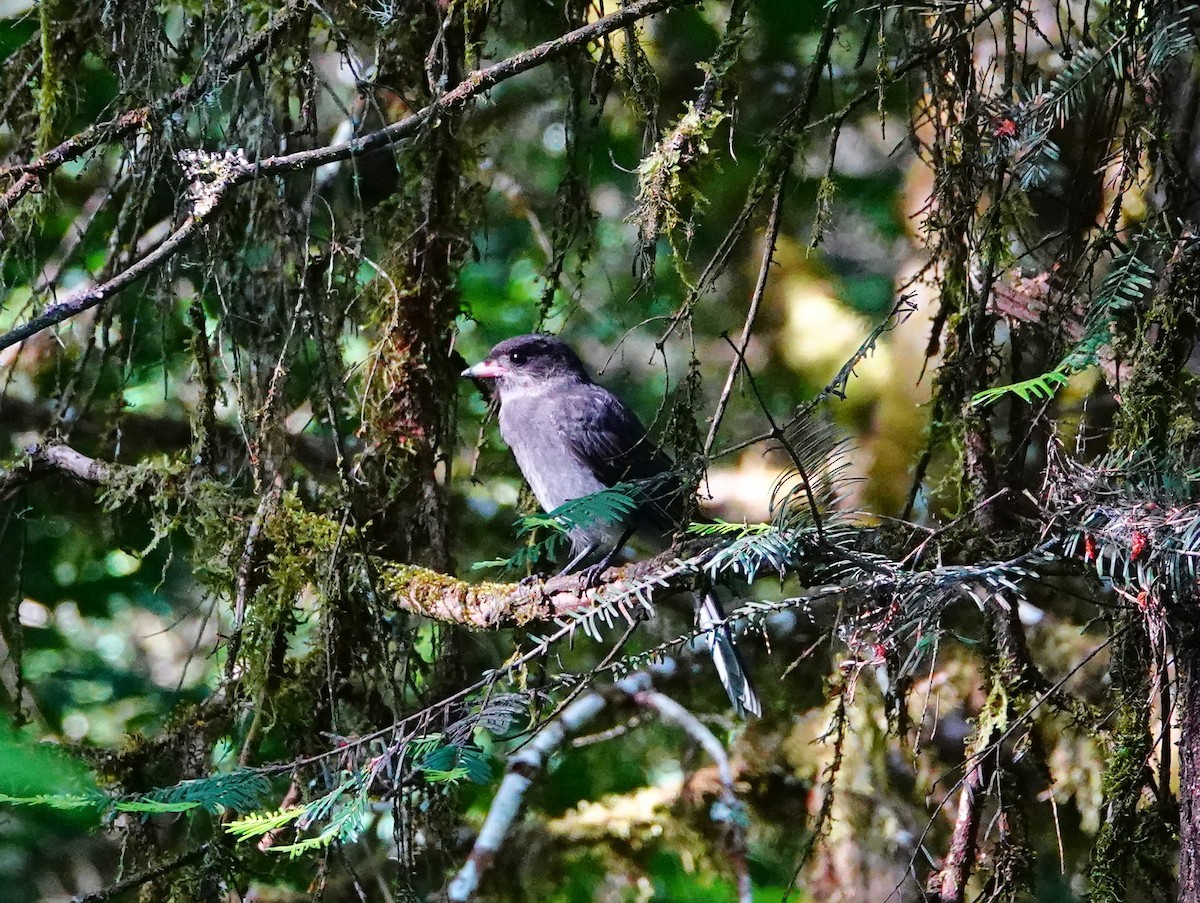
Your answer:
<point x="836" y="386"/>
<point x="223" y="174"/>
<point x="731" y="813"/>
<point x="782" y="144"/>
<point x="760" y="288"/>
<point x="779" y="435"/>
<point x="522" y="768"/>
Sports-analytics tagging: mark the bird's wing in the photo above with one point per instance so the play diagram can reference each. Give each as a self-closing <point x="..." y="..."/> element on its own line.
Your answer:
<point x="607" y="437"/>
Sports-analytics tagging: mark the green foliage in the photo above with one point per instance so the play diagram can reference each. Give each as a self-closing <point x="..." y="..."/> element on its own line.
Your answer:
<point x="725" y="528"/>
<point x="1128" y="282"/>
<point x="61" y="801"/>
<point x="240" y="790"/>
<point x="237" y="791"/>
<point x="1171" y="39"/>
<point x="1037" y="388"/>
<point x="612" y="505"/>
<point x="344" y="811"/>
<point x="31" y="769"/>
<point x="450" y="763"/>
<point x="777" y="550"/>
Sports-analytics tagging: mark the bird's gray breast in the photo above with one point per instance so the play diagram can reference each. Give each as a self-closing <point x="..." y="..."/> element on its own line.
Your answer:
<point x="531" y="426"/>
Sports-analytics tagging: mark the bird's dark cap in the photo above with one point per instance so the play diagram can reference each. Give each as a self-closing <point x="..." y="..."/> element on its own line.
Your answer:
<point x="530" y="355"/>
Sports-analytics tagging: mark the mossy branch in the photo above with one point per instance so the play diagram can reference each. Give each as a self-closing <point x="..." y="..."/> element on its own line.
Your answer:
<point x="417" y="590"/>
<point x="489" y="606"/>
<point x="214" y="176"/>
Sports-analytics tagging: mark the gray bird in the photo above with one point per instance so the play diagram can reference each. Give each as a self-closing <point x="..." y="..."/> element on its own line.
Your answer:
<point x="573" y="438"/>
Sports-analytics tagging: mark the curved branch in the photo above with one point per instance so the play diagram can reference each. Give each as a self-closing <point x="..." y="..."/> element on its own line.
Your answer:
<point x="41" y="460"/>
<point x="522" y="768"/>
<point x="731" y="813"/>
<point x="35" y="173"/>
<point x="214" y="176"/>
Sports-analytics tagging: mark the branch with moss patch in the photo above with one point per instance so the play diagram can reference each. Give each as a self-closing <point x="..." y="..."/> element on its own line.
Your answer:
<point x="489" y="606"/>
<point x="33" y="175"/>
<point x="214" y="176"/>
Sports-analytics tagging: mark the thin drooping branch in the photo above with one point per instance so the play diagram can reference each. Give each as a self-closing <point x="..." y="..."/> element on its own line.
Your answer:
<point x="529" y="761"/>
<point x="756" y="298"/>
<point x="214" y="176"/>
<point x="79" y="301"/>
<point x="34" y="174"/>
<point x="731" y="813"/>
<point x="522" y="768"/>
<point x="782" y="149"/>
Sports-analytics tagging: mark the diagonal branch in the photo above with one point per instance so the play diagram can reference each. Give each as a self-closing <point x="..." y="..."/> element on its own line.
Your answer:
<point x="529" y="761"/>
<point x="35" y="173"/>
<point x="730" y="813"/>
<point x="215" y="176"/>
<point x="522" y="768"/>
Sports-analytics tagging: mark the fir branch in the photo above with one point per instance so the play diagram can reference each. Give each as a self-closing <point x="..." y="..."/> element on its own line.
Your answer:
<point x="1038" y="387"/>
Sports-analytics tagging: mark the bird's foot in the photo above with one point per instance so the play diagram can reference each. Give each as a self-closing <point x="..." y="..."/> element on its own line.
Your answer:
<point x="529" y="581"/>
<point x="591" y="575"/>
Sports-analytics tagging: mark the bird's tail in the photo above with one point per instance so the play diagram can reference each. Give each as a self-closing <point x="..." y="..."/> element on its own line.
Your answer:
<point x="730" y="668"/>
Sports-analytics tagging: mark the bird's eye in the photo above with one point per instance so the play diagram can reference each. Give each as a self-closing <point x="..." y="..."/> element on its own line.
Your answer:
<point x="517" y="357"/>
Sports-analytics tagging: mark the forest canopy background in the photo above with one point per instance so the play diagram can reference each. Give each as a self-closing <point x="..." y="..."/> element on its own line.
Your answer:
<point x="907" y="290"/>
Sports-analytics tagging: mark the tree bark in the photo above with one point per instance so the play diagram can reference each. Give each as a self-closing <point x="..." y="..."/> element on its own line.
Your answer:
<point x="1187" y="663"/>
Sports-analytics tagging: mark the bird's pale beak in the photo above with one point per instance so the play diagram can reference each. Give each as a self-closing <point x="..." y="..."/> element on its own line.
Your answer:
<point x="484" y="370"/>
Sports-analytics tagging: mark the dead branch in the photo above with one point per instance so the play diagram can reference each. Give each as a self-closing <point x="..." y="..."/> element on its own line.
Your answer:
<point x="34" y="174"/>
<point x="142" y="434"/>
<point x="522" y="768"/>
<point x="214" y="176"/>
<point x="151" y="874"/>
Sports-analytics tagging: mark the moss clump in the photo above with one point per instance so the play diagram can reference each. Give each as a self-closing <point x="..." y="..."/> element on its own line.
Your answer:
<point x="441" y="597"/>
<point x="668" y="193"/>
